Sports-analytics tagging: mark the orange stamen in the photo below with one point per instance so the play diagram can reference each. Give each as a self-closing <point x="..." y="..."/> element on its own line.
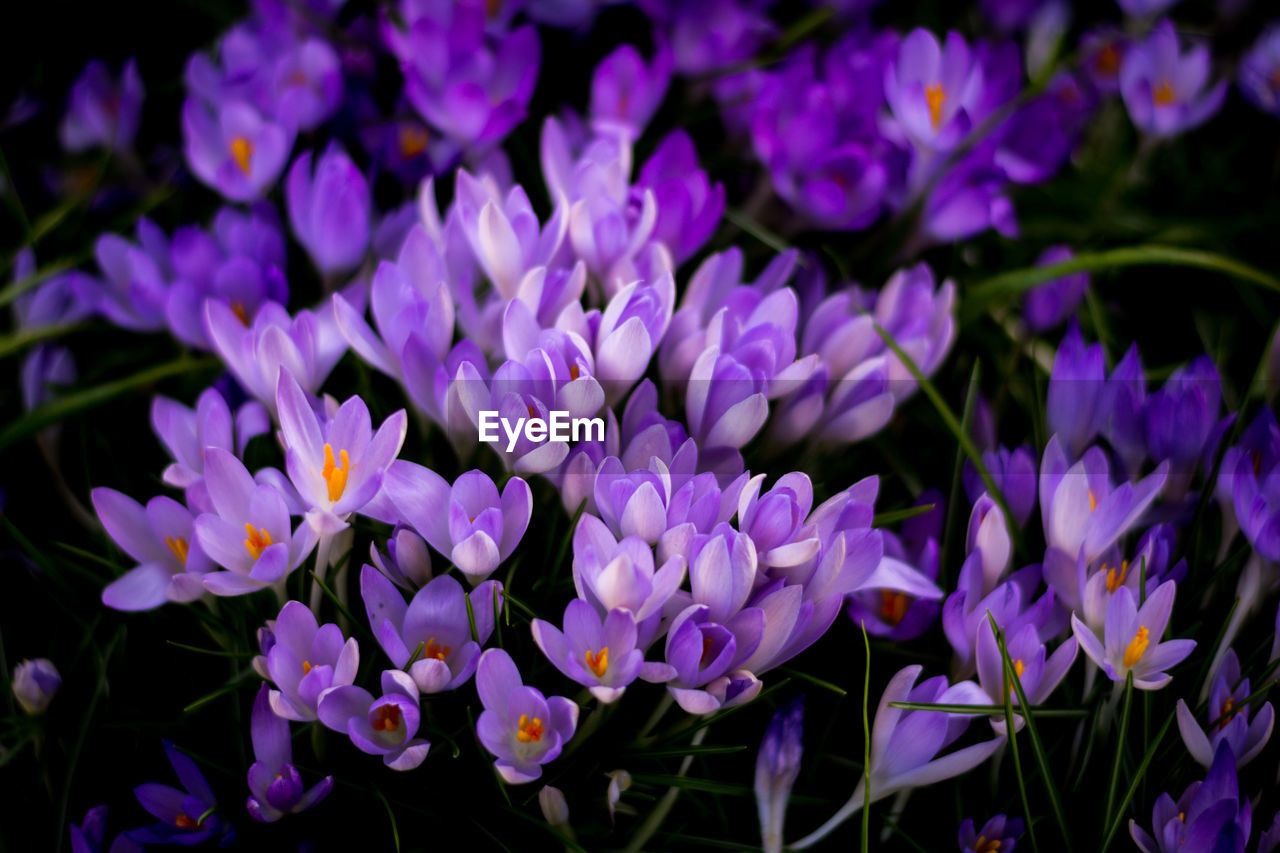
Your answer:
<point x="1137" y="648"/>
<point x="179" y="548"/>
<point x="598" y="663"/>
<point x="241" y="152"/>
<point x="936" y="96"/>
<point x="335" y="475"/>
<point x="1163" y="95"/>
<point x="185" y="821"/>
<point x="387" y="719"/>
<point x="256" y="540"/>
<point x="306" y="667"/>
<point x="434" y="650"/>
<point x="529" y="731"/>
<point x="1116" y="579"/>
<point x="413" y="140"/>
<point x="893" y="606"/>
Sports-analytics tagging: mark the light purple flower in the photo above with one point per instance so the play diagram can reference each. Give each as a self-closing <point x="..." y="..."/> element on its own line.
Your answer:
<point x="329" y="209"/>
<point x="601" y="655"/>
<point x="1229" y="719"/>
<point x="275" y="786"/>
<point x="337" y="465"/>
<point x="1250" y="476"/>
<point x="1131" y="639"/>
<point x="383" y="726"/>
<point x="1014" y="473"/>
<point x="519" y="726"/>
<point x="171" y="564"/>
<point x="777" y="766"/>
<point x="187" y="432"/>
<point x="306" y="661"/>
<point x="102" y="111"/>
<point x="1038" y="672"/>
<point x="433" y="630"/>
<point x="136" y="277"/>
<point x="467" y="522"/>
<point x="704" y="657"/>
<point x="233" y="148"/>
<point x="248" y="533"/>
<point x="689" y="205"/>
<point x="610" y="574"/>
<point x="34" y="684"/>
<point x="935" y="91"/>
<point x="626" y="91"/>
<point x="307" y="85"/>
<point x="1166" y="91"/>
<point x="407" y="561"/>
<point x="1182" y="419"/>
<point x="1259" y="74"/>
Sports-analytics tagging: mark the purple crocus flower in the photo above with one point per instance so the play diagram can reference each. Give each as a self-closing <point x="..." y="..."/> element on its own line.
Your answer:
<point x="519" y="726"/>
<point x="90" y="835"/>
<point x="467" y="522"/>
<point x="1259" y="74"/>
<point x="1251" y="476"/>
<point x="102" y="111"/>
<point x="233" y="148"/>
<point x="1180" y="420"/>
<point x="626" y="91"/>
<point x="713" y="35"/>
<point x="1076" y="392"/>
<point x="1150" y="557"/>
<point x="1166" y="91"/>
<point x="329" y="209"/>
<point x="407" y="560"/>
<point x="1144" y="8"/>
<point x="601" y="655"/>
<point x="307" y="84"/>
<point x="1210" y="815"/>
<point x="275" y="786"/>
<point x="136" y="278"/>
<point x="1131" y="640"/>
<point x="187" y="432"/>
<point x="1014" y="473"/>
<point x="248" y="533"/>
<point x="433" y="630"/>
<point x="777" y="766"/>
<point x="384" y="726"/>
<point x="893" y="613"/>
<point x="337" y="465"/>
<point x="34" y="684"/>
<point x="935" y="91"/>
<point x="1229" y="719"/>
<point x="1046" y="305"/>
<point x="1038" y="672"/>
<point x="1102" y="53"/>
<point x="161" y="537"/>
<point x="188" y="816"/>
<point x="306" y="661"/>
<point x="998" y="835"/>
<point x="1123" y="412"/>
<point x="689" y="205"/>
<point x="705" y="659"/>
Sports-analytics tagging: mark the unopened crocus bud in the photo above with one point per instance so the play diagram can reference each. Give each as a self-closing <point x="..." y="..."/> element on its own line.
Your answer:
<point x="554" y="807"/>
<point x="34" y="683"/>
<point x="777" y="767"/>
<point x="619" y="781"/>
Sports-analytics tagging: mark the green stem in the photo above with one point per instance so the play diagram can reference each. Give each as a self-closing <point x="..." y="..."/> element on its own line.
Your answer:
<point x="1120" y="743"/>
<point x="660" y="811"/>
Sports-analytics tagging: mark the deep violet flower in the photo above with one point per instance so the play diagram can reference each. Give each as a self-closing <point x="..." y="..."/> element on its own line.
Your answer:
<point x="383" y="726"/>
<point x="161" y="537"/>
<point x="1038" y="672"/>
<point x="1131" y="641"/>
<point x="689" y="205"/>
<point x="275" y="786"/>
<point x="102" y="111"/>
<point x="626" y="90"/>
<point x="1229" y="719"/>
<point x="1166" y="91"/>
<point x="1046" y="305"/>
<point x="601" y="656"/>
<point x="519" y="726"/>
<point x="1259" y="74"/>
<point x="329" y="209"/>
<point x="777" y="766"/>
<point x="306" y="661"/>
<point x="34" y="684"/>
<point x="998" y="835"/>
<point x="188" y="816"/>
<point x="1210" y="815"/>
<point x="90" y="835"/>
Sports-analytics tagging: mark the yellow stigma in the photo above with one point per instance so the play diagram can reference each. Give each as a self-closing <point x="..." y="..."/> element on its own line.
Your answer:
<point x="1093" y="501"/>
<point x="434" y="650"/>
<point x="335" y="475"/>
<point x="387" y="719"/>
<point x="1228" y="711"/>
<point x="986" y="845"/>
<point x="574" y="371"/>
<point x="1137" y="648"/>
<point x="529" y="731"/>
<point x="179" y="548"/>
<point x="1162" y="95"/>
<point x="413" y="140"/>
<point x="936" y="97"/>
<point x="1018" y="668"/>
<point x="1115" y="579"/>
<point x="241" y="152"/>
<point x="185" y="821"/>
<point x="306" y="667"/>
<point x="893" y="606"/>
<point x="256" y="540"/>
<point x="1107" y="60"/>
<point x="598" y="663"/>
<point x="706" y="650"/>
<point x="242" y="313"/>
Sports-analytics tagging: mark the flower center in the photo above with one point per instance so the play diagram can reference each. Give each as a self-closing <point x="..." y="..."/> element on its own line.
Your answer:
<point x="179" y="548"/>
<point x="1115" y="579"/>
<point x="986" y="845"/>
<point x="335" y="475"/>
<point x="1018" y="668"/>
<point x="1137" y="648"/>
<point x="1107" y="61"/>
<point x="935" y="96"/>
<point x="256" y="540"/>
<point x="413" y="140"/>
<point x="706" y="650"/>
<point x="241" y="312"/>
<point x="598" y="663"/>
<point x="893" y="606"/>
<point x="1093" y="501"/>
<point x="1228" y="711"/>
<point x="387" y="719"/>
<point x="306" y="667"/>
<point x="241" y="152"/>
<point x="1163" y="95"/>
<point x="574" y="372"/>
<point x="185" y="821"/>
<point x="533" y="413"/>
<point x="434" y="650"/>
<point x="529" y="730"/>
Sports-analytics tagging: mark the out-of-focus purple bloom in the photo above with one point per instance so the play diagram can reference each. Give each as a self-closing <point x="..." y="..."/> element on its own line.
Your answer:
<point x="1075" y="396"/>
<point x="187" y="432"/>
<point x="34" y="684"/>
<point x="1180" y="419"/>
<point x="1166" y="91"/>
<point x="1123" y="412"/>
<point x="714" y="35"/>
<point x="1250" y="477"/>
<point x="102" y="111"/>
<point x="307" y="661"/>
<point x="329" y="209"/>
<point x="307" y="85"/>
<point x="1102" y="54"/>
<point x="1131" y="639"/>
<point x="471" y="84"/>
<point x="935" y="91"/>
<point x="600" y="655"/>
<point x="1039" y="137"/>
<point x="1038" y="672"/>
<point x="626" y="91"/>
<point x="237" y="151"/>
<point x="248" y="533"/>
<point x="519" y="726"/>
<point x="689" y="205"/>
<point x="135" y="287"/>
<point x="433" y="630"/>
<point x="336" y="465"/>
<point x="188" y="816"/>
<point x="777" y="766"/>
<point x="275" y="786"/>
<point x="467" y="522"/>
<point x="1014" y="473"/>
<point x="384" y="726"/>
<point x="998" y="835"/>
<point x="1229" y="719"/>
<point x="1144" y="8"/>
<point x="1259" y="74"/>
<point x="1046" y="305"/>
<point x="171" y="564"/>
<point x="1210" y="815"/>
<point x="90" y="835"/>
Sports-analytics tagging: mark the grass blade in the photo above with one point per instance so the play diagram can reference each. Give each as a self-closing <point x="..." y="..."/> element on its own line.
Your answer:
<point x="866" y="747"/>
<point x="1133" y="785"/>
<point x="1009" y="678"/>
<point x="1120" y="742"/>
